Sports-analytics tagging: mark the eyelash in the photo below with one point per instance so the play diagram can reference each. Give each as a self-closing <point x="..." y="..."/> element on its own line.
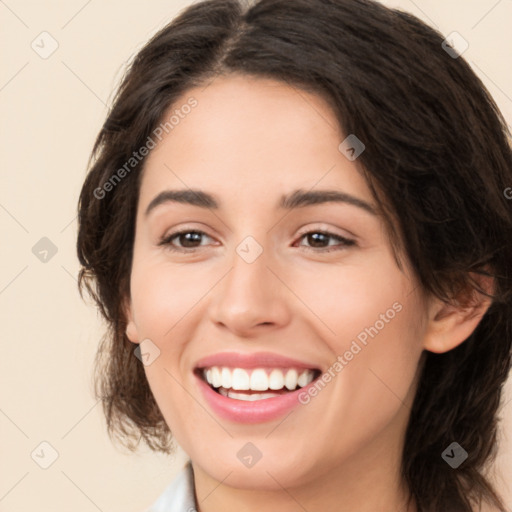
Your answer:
<point x="345" y="242"/>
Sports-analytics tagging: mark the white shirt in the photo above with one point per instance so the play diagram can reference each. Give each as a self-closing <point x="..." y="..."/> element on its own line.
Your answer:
<point x="179" y="496"/>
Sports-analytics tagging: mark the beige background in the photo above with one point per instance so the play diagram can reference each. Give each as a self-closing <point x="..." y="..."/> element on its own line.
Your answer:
<point x="51" y="110"/>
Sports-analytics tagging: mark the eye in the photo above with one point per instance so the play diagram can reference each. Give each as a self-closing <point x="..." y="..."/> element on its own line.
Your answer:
<point x="318" y="239"/>
<point x="187" y="239"/>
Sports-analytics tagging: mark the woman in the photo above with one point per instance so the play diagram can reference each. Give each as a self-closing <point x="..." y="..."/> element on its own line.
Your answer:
<point x="295" y="223"/>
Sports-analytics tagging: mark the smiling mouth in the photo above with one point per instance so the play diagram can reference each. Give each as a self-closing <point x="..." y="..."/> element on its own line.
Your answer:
<point x="256" y="384"/>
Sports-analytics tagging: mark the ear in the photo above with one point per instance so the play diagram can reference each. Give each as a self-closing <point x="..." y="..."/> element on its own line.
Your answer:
<point x="131" y="327"/>
<point x="451" y="324"/>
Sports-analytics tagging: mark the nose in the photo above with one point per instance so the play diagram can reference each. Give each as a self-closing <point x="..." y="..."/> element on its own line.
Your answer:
<point x="251" y="297"/>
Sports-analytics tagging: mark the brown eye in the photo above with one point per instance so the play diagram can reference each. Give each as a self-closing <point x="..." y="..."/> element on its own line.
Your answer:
<point x="319" y="239"/>
<point x="187" y="239"/>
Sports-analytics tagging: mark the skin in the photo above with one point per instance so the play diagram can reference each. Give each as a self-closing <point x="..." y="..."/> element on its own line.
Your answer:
<point x="248" y="141"/>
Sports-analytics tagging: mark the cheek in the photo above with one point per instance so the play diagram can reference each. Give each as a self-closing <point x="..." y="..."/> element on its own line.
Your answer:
<point x="381" y="356"/>
<point x="163" y="300"/>
<point x="162" y="295"/>
<point x="378" y="325"/>
<point x="349" y="299"/>
<point x="390" y="348"/>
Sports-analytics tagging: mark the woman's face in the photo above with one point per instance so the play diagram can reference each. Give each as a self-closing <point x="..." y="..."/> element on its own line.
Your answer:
<point x="262" y="293"/>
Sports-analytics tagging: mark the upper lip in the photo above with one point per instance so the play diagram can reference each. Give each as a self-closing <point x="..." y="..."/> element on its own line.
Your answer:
<point x="253" y="360"/>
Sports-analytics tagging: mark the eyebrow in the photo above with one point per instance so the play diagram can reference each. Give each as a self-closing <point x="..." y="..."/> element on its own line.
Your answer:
<point x="297" y="199"/>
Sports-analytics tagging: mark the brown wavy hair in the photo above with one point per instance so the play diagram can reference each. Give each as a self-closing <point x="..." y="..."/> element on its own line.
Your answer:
<point x="438" y="160"/>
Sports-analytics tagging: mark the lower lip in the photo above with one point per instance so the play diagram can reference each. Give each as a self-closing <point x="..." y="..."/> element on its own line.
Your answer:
<point x="257" y="411"/>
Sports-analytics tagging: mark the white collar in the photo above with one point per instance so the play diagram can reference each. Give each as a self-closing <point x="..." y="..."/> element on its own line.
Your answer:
<point x="179" y="496"/>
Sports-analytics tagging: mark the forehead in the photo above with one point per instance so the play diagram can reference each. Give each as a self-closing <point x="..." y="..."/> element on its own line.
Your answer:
<point x="247" y="134"/>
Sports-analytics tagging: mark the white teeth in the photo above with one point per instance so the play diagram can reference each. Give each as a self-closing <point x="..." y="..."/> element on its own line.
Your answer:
<point x="276" y="379"/>
<point x="246" y="397"/>
<point x="259" y="379"/>
<point x="240" y="379"/>
<point x="226" y="378"/>
<point x="216" y="378"/>
<point x="304" y="378"/>
<point x="290" y="381"/>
